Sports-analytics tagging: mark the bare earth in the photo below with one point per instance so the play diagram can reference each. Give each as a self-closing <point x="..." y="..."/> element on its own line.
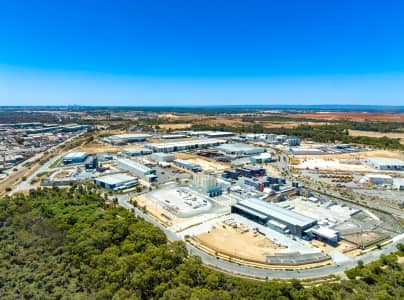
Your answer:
<point x="392" y="135"/>
<point x="233" y="242"/>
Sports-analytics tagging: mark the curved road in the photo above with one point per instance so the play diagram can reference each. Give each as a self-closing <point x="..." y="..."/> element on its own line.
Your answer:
<point x="336" y="269"/>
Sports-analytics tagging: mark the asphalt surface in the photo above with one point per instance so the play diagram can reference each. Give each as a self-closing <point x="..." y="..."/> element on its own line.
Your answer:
<point x="336" y="269"/>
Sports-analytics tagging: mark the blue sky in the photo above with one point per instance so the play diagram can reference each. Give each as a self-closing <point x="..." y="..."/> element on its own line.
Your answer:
<point x="201" y="52"/>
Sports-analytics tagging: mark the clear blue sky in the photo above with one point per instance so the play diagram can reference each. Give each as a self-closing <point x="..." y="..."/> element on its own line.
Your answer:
<point x="201" y="52"/>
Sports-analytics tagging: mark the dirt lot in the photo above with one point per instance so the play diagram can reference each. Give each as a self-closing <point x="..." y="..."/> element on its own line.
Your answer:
<point x="233" y="242"/>
<point x="392" y="135"/>
<point x="205" y="163"/>
<point x="355" y="155"/>
<point x="343" y="247"/>
<point x="157" y="211"/>
<point x="175" y="126"/>
<point x="353" y="116"/>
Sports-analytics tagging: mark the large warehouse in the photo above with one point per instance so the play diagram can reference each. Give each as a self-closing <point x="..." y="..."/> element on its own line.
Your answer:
<point x="274" y="216"/>
<point x="137" y="169"/>
<point x="116" y="181"/>
<point x="121" y="139"/>
<point x="74" y="158"/>
<point x="386" y="164"/>
<point x="239" y="149"/>
<point x="184" y="145"/>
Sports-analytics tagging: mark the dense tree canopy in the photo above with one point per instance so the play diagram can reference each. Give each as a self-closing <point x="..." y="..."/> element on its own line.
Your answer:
<point x="68" y="244"/>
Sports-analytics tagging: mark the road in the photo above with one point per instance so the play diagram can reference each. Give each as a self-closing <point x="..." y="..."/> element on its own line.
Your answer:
<point x="26" y="184"/>
<point x="336" y="269"/>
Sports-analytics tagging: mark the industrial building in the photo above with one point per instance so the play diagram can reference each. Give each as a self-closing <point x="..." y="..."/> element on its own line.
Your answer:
<point x="206" y="184"/>
<point x="219" y="134"/>
<point x="74" y="158"/>
<point x="187" y="165"/>
<point x="121" y="139"/>
<point x="305" y="151"/>
<point x="173" y="136"/>
<point x="325" y="234"/>
<point x="271" y="215"/>
<point x="115" y="182"/>
<point x="137" y="169"/>
<point x="230" y="174"/>
<point x="137" y="151"/>
<point x="239" y="149"/>
<point x="376" y="179"/>
<point x="251" y="171"/>
<point x="162" y="157"/>
<point x="292" y="141"/>
<point x="91" y="163"/>
<point x="184" y="145"/>
<point x="386" y="164"/>
<point x="262" y="158"/>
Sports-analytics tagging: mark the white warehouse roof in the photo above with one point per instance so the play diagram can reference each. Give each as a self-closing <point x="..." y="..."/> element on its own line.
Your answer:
<point x="116" y="179"/>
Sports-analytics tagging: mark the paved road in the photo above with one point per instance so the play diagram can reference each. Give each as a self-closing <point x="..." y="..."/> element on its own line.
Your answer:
<point x="266" y="273"/>
<point x="26" y="184"/>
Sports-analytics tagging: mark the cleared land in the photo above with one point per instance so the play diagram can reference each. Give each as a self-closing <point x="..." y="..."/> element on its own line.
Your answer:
<point x="238" y="242"/>
<point x="392" y="135"/>
<point x="353" y="116"/>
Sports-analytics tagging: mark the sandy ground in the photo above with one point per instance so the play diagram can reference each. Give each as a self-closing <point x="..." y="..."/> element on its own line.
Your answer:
<point x="354" y="116"/>
<point x="175" y="126"/>
<point x="157" y="211"/>
<point x="234" y="242"/>
<point x="356" y="155"/>
<point x="393" y="135"/>
<point x="342" y="247"/>
<point x="331" y="165"/>
<point x="205" y="163"/>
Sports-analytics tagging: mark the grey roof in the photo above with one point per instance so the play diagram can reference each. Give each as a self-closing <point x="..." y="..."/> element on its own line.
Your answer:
<point x="386" y="161"/>
<point x="116" y="179"/>
<point x="278" y="212"/>
<point x="135" y="165"/>
<point x="238" y="147"/>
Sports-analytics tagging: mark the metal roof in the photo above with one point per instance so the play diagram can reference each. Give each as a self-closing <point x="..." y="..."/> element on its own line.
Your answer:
<point x="386" y="161"/>
<point x="116" y="178"/>
<point x="135" y="165"/>
<point x="272" y="210"/>
<point x="238" y="147"/>
<point x="72" y="155"/>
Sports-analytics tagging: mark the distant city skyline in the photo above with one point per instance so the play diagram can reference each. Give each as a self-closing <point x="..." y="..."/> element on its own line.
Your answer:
<point x="193" y="53"/>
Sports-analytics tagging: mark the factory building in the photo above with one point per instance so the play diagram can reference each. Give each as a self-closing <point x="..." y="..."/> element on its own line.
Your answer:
<point x="187" y="165"/>
<point x="219" y="134"/>
<point x="162" y="157"/>
<point x="305" y="151"/>
<point x="137" y="151"/>
<point x="74" y="158"/>
<point x="230" y="174"/>
<point x="292" y="141"/>
<point x="91" y="163"/>
<point x="122" y="139"/>
<point x="173" y="136"/>
<point x="206" y="184"/>
<point x="184" y="145"/>
<point x="262" y="158"/>
<point x="271" y="215"/>
<point x="398" y="184"/>
<point x="376" y="179"/>
<point x="386" y="164"/>
<point x="251" y="171"/>
<point x="263" y="182"/>
<point x="137" y="169"/>
<point x="239" y="149"/>
<point x="115" y="182"/>
<point x="325" y="234"/>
